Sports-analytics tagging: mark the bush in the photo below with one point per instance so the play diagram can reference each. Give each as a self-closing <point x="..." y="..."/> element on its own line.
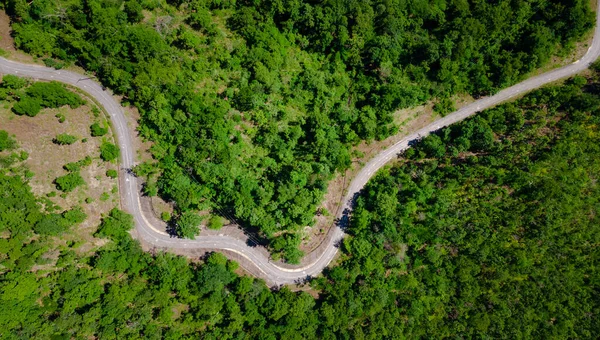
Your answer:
<point x="97" y="130"/>
<point x="444" y="106"/>
<point x="116" y="225"/>
<point x="165" y="216"/>
<point x="53" y="63"/>
<point x="55" y="224"/>
<point x="6" y="142"/>
<point x="215" y="222"/>
<point x="187" y="225"/>
<point x="76" y="166"/>
<point x="112" y="173"/>
<point x="64" y="139"/>
<point x="54" y="94"/>
<point x="69" y="182"/>
<point x="13" y="82"/>
<point x="109" y="151"/>
<point x="27" y="106"/>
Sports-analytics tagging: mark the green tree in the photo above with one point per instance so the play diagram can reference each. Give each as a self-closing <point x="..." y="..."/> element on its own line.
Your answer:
<point x="112" y="173"/>
<point x="109" y="151"/>
<point x="64" y="139"/>
<point x="187" y="225"/>
<point x="215" y="222"/>
<point x="97" y="130"/>
<point x="27" y="106"/>
<point x="69" y="182"/>
<point x="13" y="82"/>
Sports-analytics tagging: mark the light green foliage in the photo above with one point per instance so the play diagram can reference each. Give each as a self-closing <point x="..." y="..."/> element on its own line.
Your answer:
<point x="12" y="82"/>
<point x="215" y="222"/>
<point x="165" y="216"/>
<point x="69" y="182"/>
<point x="64" y="139"/>
<point x="76" y="166"/>
<point x="108" y="151"/>
<point x="6" y="141"/>
<point x="187" y="225"/>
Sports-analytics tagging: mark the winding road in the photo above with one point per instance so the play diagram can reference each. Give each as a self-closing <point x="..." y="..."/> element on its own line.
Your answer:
<point x="255" y="259"/>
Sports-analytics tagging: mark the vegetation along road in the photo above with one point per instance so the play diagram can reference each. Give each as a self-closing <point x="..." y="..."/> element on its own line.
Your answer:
<point x="155" y="234"/>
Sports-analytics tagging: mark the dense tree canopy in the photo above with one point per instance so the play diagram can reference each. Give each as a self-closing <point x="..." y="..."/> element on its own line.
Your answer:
<point x="486" y="230"/>
<point x="253" y="105"/>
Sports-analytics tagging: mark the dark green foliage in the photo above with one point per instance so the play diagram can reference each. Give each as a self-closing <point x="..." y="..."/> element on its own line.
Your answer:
<point x="109" y="151"/>
<point x="494" y="235"/>
<point x="254" y="105"/>
<point x="97" y="130"/>
<point x="69" y="182"/>
<point x="27" y="106"/>
<point x="50" y="62"/>
<point x="64" y="139"/>
<point x="112" y="173"/>
<point x="40" y="95"/>
<point x="485" y="240"/>
<point x="56" y="224"/>
<point x="187" y="225"/>
<point x="133" y="9"/>
<point x="6" y="141"/>
<point x="53" y="94"/>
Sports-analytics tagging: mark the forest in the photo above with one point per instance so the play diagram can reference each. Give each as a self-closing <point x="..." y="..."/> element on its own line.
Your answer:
<point x="486" y="229"/>
<point x="253" y="106"/>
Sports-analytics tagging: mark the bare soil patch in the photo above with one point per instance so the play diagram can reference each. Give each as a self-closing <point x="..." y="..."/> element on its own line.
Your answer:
<point x="46" y="160"/>
<point x="6" y="41"/>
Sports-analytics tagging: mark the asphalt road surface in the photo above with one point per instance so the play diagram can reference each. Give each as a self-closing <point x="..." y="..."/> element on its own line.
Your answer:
<point x="254" y="259"/>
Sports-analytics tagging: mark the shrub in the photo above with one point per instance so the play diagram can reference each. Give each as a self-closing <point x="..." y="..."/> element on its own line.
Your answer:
<point x="97" y="130"/>
<point x="112" y="173"/>
<point x="76" y="166"/>
<point x="215" y="222"/>
<point x="165" y="216"/>
<point x="27" y="106"/>
<point x="116" y="225"/>
<point x="6" y="142"/>
<point x="64" y="139"/>
<point x="54" y="94"/>
<point x="69" y="182"/>
<point x="109" y="151"/>
<point x="13" y="82"/>
<point x="187" y="225"/>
